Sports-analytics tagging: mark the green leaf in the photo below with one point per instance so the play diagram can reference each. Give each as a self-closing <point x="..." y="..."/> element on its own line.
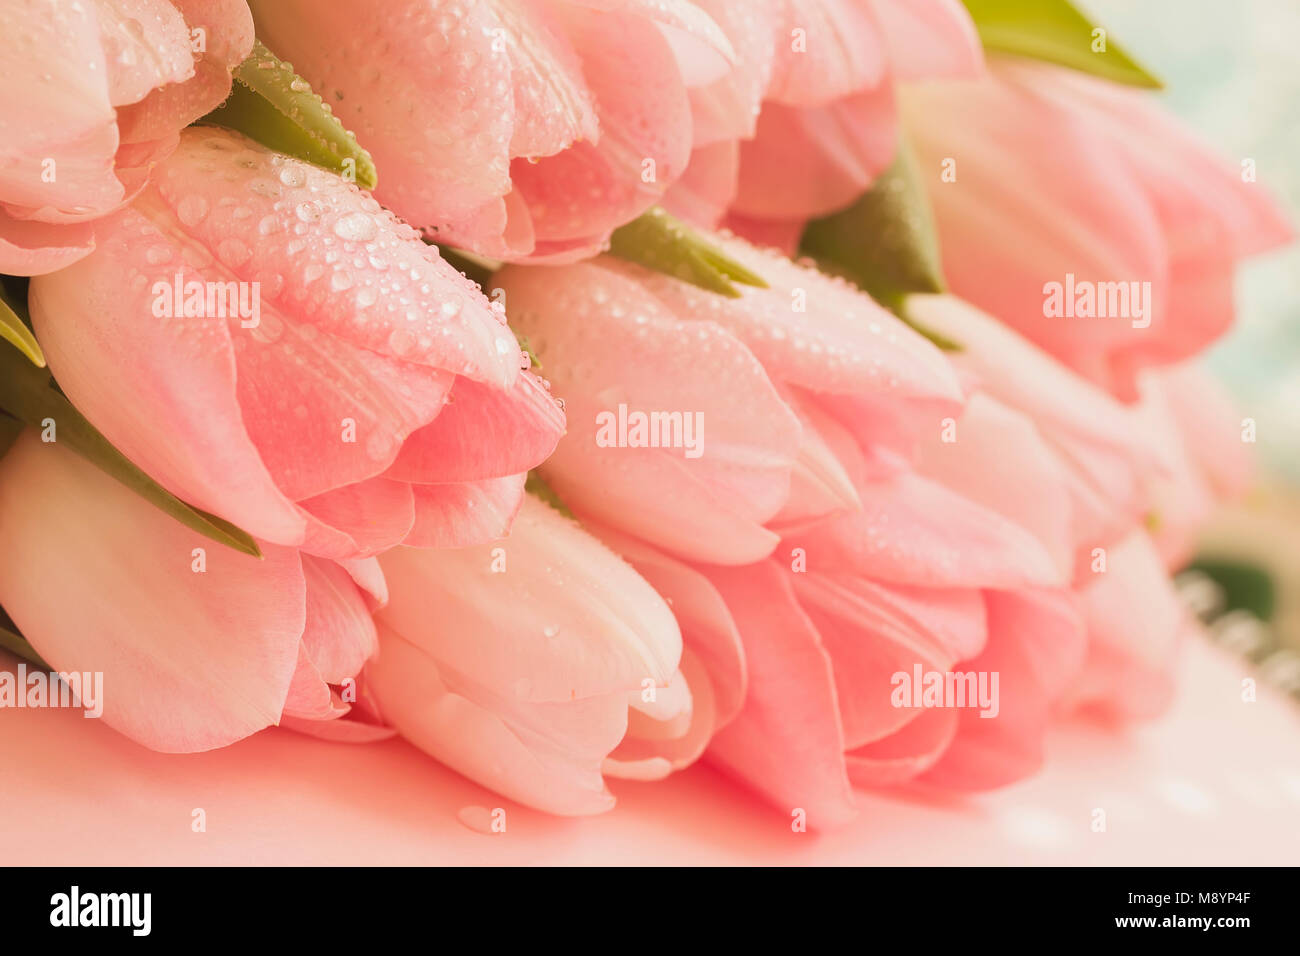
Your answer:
<point x="13" y="328"/>
<point x="658" y="241"/>
<point x="278" y="108"/>
<point x="29" y="394"/>
<point x="535" y="485"/>
<point x="15" y="643"/>
<point x="1058" y="32"/>
<point x="885" y="243"/>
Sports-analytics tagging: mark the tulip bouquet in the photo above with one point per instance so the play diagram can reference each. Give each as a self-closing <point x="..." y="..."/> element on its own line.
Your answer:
<point x="581" y="389"/>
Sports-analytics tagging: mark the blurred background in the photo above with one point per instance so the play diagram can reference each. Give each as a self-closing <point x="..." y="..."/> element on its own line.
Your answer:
<point x="1231" y="72"/>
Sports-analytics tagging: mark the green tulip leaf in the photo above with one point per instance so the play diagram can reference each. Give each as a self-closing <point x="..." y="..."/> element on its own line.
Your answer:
<point x="14" y="329"/>
<point x="662" y="243"/>
<point x="278" y="108"/>
<point x="1058" y="32"/>
<point x="885" y="243"/>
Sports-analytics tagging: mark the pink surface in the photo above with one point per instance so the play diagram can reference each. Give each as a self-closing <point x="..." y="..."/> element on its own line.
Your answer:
<point x="1217" y="781"/>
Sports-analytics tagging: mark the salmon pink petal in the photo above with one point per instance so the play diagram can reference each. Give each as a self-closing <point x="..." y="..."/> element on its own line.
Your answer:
<point x="161" y="390"/>
<point x="322" y="412"/>
<point x="339" y="636"/>
<point x="704" y="51"/>
<point x="100" y="580"/>
<point x="369" y="577"/>
<point x="909" y="751"/>
<point x="460" y="514"/>
<point x="1023" y="211"/>
<point x="339" y="730"/>
<point x="825" y="51"/>
<point x="645" y="134"/>
<point x="30" y="248"/>
<point x="321" y="250"/>
<point x="1035" y="646"/>
<point x="787" y="742"/>
<point x="62" y="116"/>
<point x="873" y="632"/>
<point x="928" y="38"/>
<point x="310" y="698"/>
<point x="483" y="433"/>
<point x="782" y="235"/>
<point x="440" y="161"/>
<point x="359" y="520"/>
<point x="810" y="161"/>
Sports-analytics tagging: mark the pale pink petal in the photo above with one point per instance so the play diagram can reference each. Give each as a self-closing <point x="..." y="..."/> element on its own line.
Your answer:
<point x="146" y="44"/>
<point x="461" y="514"/>
<point x="100" y="580"/>
<point x="997" y="458"/>
<point x="826" y="50"/>
<point x="928" y="38"/>
<point x="707" y="187"/>
<point x="553" y="614"/>
<point x="322" y="250"/>
<point x="728" y="108"/>
<point x="652" y="749"/>
<point x="227" y="35"/>
<point x="440" y="160"/>
<point x="912" y="530"/>
<point x="553" y="107"/>
<point x="708" y="630"/>
<point x="57" y="111"/>
<point x="702" y="499"/>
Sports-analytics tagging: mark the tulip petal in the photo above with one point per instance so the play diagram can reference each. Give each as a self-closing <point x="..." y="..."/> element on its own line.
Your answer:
<point x="162" y="390"/>
<point x="787" y="742"/>
<point x="566" y="618"/>
<point x="928" y="38"/>
<point x="805" y="162"/>
<point x="99" y="580"/>
<point x="703" y="499"/>
<point x="1035" y="646"/>
<point x="461" y="514"/>
<point x="451" y="160"/>
<point x="911" y="750"/>
<point x="329" y="256"/>
<point x="645" y="134"/>
<point x="826" y="50"/>
<point x="339" y="636"/>
<point x="483" y="433"/>
<point x="359" y="520"/>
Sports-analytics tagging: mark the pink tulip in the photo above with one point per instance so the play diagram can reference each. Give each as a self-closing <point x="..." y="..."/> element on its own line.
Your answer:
<point x="762" y="380"/>
<point x="198" y="644"/>
<point x="806" y="120"/>
<point x="816" y="543"/>
<point x="374" y="397"/>
<point x="96" y="93"/>
<point x="524" y="665"/>
<point x="510" y="127"/>
<point x="1061" y="179"/>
